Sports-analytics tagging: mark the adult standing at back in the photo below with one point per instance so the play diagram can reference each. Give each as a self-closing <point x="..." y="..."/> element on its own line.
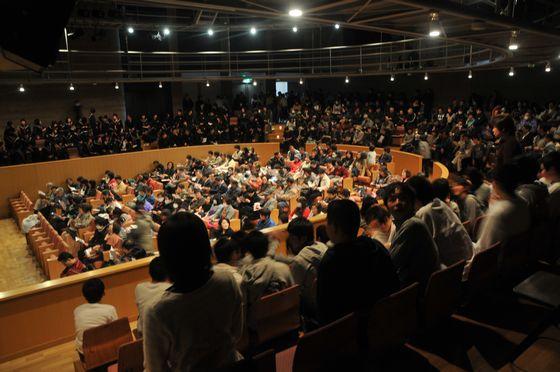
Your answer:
<point x="507" y="145"/>
<point x="198" y="320"/>
<point x="355" y="272"/>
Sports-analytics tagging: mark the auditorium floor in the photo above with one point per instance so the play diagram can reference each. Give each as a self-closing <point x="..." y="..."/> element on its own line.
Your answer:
<point x="18" y="267"/>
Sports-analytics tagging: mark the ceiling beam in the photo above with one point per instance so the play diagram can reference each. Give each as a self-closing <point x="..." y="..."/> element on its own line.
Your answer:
<point x="387" y="17"/>
<point x="335" y="4"/>
<point x="197" y="18"/>
<point x="359" y="10"/>
<point x="261" y="6"/>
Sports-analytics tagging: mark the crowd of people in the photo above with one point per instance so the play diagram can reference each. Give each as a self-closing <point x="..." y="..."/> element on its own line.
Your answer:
<point x="380" y="235"/>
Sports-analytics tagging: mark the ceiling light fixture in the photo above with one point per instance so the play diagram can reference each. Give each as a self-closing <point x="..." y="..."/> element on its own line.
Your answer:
<point x="336" y="26"/>
<point x="130" y="30"/>
<point x="160" y="85"/>
<point x="207" y="83"/>
<point x="166" y="31"/>
<point x="21" y="88"/>
<point x="300" y="81"/>
<point x="71" y="87"/>
<point x="295" y="12"/>
<point x="513" y="44"/>
<point x="346" y="80"/>
<point x="392" y="78"/>
<point x="294" y="29"/>
<point x="470" y="74"/>
<point x="116" y="86"/>
<point x="434" y="27"/>
<point x="210" y="32"/>
<point x="254" y="83"/>
<point x="511" y="71"/>
<point x="253" y="31"/>
<point x="548" y="68"/>
<point x="426" y="77"/>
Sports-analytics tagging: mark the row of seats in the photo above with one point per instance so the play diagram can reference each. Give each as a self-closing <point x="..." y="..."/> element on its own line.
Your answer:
<point x="21" y="207"/>
<point x="46" y="244"/>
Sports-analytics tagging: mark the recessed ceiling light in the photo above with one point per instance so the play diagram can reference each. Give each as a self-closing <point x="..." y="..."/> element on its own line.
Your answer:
<point x="295" y="12"/>
<point x="210" y="32"/>
<point x="336" y="26"/>
<point x="166" y="31"/>
<point x="21" y="88"/>
<point x="253" y="31"/>
<point x="294" y="29"/>
<point x="130" y="30"/>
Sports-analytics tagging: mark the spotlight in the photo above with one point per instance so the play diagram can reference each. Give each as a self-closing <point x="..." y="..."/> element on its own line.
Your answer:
<point x="426" y="77"/>
<point x="130" y="30"/>
<point x="392" y="78"/>
<point x="21" y="88"/>
<point x="434" y="28"/>
<point x="166" y="31"/>
<point x="253" y="31"/>
<point x="300" y="81"/>
<point x="294" y="29"/>
<point x="295" y="12"/>
<point x="71" y="87"/>
<point x="336" y="26"/>
<point x="117" y="86"/>
<point x="207" y="83"/>
<point x="346" y="80"/>
<point x="511" y="71"/>
<point x="160" y="85"/>
<point x="513" y="45"/>
<point x="210" y="32"/>
<point x="548" y="68"/>
<point x="254" y="83"/>
<point x="470" y="74"/>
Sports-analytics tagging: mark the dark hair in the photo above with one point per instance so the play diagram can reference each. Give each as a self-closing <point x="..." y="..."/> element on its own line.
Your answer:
<point x="65" y="256"/>
<point x="157" y="270"/>
<point x="507" y="178"/>
<point x="321" y="234"/>
<point x="528" y="167"/>
<point x="265" y="212"/>
<point x="256" y="243"/>
<point x="86" y="207"/>
<point x="184" y="261"/>
<point x="422" y="189"/>
<point x="505" y="124"/>
<point x="405" y="191"/>
<point x="302" y="227"/>
<point x="367" y="202"/>
<point x="345" y="215"/>
<point x="475" y="176"/>
<point x="441" y="188"/>
<point x="378" y="213"/>
<point x="224" y="248"/>
<point x="551" y="160"/>
<point x="93" y="290"/>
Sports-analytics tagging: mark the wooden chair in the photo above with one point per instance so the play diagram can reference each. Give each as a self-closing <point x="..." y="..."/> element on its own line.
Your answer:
<point x="443" y="295"/>
<point x="483" y="271"/>
<point x="101" y="344"/>
<point x="348" y="183"/>
<point x="328" y="346"/>
<point x="392" y="321"/>
<point x="275" y="215"/>
<point x="476" y="225"/>
<point x="263" y="362"/>
<point x="276" y="315"/>
<point x="235" y="224"/>
<point x="127" y="198"/>
<point x="513" y="258"/>
<point x="131" y="358"/>
<point x="96" y="203"/>
<point x="293" y="204"/>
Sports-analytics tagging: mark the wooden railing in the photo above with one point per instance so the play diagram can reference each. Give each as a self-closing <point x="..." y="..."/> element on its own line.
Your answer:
<point x="41" y="315"/>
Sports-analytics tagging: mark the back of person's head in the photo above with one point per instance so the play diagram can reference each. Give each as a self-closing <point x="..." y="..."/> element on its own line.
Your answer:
<point x="505" y="124"/>
<point x="256" y="243"/>
<point x="265" y="212"/>
<point x="157" y="270"/>
<point x="551" y="161"/>
<point x="302" y="228"/>
<point x="377" y="213"/>
<point x="475" y="176"/>
<point x="321" y="234"/>
<point x="93" y="290"/>
<point x="506" y="177"/>
<point x="528" y="167"/>
<point x="65" y="256"/>
<point x="367" y="202"/>
<point x="184" y="247"/>
<point x="343" y="218"/>
<point x="224" y="249"/>
<point x="441" y="189"/>
<point x="422" y="188"/>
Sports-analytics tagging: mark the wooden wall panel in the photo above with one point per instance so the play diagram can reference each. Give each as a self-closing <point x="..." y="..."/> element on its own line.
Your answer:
<point x="34" y="177"/>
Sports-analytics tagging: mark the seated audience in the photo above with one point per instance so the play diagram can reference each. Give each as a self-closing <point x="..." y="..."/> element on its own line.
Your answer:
<point x="380" y="225"/>
<point x="228" y="253"/>
<point x="72" y="265"/>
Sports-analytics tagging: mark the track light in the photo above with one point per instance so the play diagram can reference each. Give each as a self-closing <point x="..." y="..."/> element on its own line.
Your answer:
<point x="160" y="85"/>
<point x="166" y="31"/>
<point x="426" y="77"/>
<point x="207" y="83"/>
<point x="294" y="29"/>
<point x="295" y="12"/>
<point x="548" y="68"/>
<point x="511" y="71"/>
<point x="336" y="26"/>
<point x="470" y="74"/>
<point x="392" y="78"/>
<point x="300" y="81"/>
<point x="71" y="87"/>
<point x="210" y="32"/>
<point x="434" y="27"/>
<point x="130" y="30"/>
<point x="346" y="80"/>
<point x="513" y="45"/>
<point x="254" y="83"/>
<point x="21" y="88"/>
<point x="117" y="86"/>
<point x="253" y="31"/>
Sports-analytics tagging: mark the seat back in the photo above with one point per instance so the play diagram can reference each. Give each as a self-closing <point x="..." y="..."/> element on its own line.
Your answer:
<point x="327" y="346"/>
<point x="277" y="314"/>
<point x="235" y="224"/>
<point x="484" y="270"/>
<point x="392" y="320"/>
<point x="476" y="225"/>
<point x="131" y="357"/>
<point x="101" y="344"/>
<point x="443" y="294"/>
<point x="348" y="183"/>
<point x="514" y="255"/>
<point x="263" y="362"/>
<point x="275" y="215"/>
